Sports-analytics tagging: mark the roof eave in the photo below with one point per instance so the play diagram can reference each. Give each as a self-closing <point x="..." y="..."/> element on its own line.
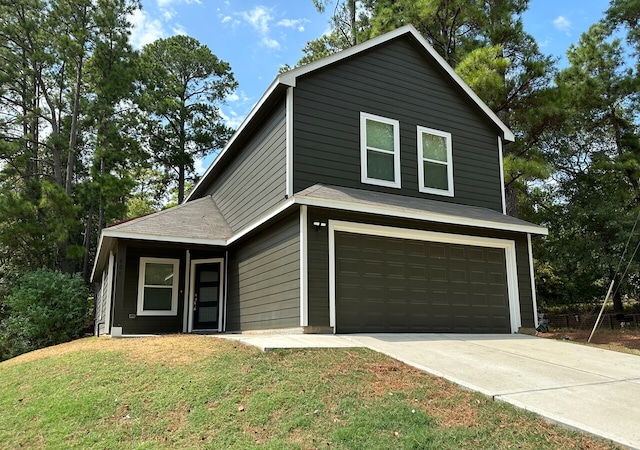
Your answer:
<point x="420" y="215"/>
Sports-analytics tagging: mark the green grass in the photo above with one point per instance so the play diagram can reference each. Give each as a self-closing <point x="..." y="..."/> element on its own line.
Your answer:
<point x="202" y="392"/>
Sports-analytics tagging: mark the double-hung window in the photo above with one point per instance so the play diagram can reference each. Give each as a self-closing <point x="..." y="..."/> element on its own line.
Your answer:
<point x="379" y="150"/>
<point x="158" y="287"/>
<point x="435" y="165"/>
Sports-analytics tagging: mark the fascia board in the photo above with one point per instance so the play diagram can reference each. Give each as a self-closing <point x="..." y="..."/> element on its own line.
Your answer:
<point x="155" y="237"/>
<point x="419" y="215"/>
<point x="98" y="257"/>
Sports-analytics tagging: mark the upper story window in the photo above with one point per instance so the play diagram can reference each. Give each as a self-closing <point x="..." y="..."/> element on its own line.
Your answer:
<point x="435" y="165"/>
<point x="379" y="150"/>
<point x="158" y="287"/>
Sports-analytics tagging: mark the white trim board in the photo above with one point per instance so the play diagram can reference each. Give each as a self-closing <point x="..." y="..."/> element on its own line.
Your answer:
<point x="405" y="233"/>
<point x="502" y="189"/>
<point x="533" y="281"/>
<point x="289" y="142"/>
<point x="304" y="276"/>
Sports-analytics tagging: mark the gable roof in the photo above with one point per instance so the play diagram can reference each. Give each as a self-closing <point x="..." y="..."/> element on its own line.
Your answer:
<point x="196" y="222"/>
<point x="288" y="79"/>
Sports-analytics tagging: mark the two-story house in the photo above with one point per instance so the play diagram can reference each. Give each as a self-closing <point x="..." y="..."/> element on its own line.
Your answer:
<point x="363" y="193"/>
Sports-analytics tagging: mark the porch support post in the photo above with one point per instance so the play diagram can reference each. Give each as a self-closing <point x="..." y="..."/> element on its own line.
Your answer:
<point x="187" y="287"/>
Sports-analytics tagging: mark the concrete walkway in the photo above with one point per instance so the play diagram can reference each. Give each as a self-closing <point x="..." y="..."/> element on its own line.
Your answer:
<point x="594" y="390"/>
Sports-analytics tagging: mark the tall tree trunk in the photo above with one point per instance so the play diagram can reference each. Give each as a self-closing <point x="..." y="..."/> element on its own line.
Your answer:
<point x="87" y="245"/>
<point x="511" y="200"/>
<point x="73" y="136"/>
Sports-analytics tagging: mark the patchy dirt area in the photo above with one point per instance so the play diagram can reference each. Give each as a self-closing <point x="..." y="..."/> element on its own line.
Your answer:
<point x="612" y="340"/>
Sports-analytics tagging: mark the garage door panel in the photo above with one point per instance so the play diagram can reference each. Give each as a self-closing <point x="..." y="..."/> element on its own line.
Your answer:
<point x="391" y="285"/>
<point x="437" y="251"/>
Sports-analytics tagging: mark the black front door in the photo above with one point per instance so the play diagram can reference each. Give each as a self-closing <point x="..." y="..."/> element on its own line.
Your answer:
<point x="206" y="297"/>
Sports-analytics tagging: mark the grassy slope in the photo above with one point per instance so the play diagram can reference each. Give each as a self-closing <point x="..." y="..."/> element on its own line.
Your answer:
<point x="202" y="392"/>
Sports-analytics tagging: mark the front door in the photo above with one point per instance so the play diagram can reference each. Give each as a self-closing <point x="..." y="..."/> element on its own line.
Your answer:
<point x="207" y="296"/>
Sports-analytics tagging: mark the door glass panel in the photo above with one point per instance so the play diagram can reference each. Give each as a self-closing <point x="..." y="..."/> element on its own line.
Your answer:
<point x="209" y="275"/>
<point x="208" y="314"/>
<point x="209" y="294"/>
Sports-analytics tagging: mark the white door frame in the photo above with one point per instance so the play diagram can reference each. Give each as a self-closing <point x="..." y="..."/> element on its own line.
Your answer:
<point x="431" y="236"/>
<point x="192" y="284"/>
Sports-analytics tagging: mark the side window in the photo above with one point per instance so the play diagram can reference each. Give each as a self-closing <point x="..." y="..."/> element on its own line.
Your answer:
<point x="158" y="287"/>
<point x="379" y="150"/>
<point x="435" y="165"/>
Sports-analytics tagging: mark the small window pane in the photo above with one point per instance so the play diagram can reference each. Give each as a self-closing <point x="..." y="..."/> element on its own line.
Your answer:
<point x="379" y="135"/>
<point x="435" y="176"/>
<point x="157" y="299"/>
<point x="158" y="274"/>
<point x="380" y="166"/>
<point x="434" y="147"/>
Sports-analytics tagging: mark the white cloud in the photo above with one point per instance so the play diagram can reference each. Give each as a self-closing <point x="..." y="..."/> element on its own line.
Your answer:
<point x="145" y="29"/>
<point x="259" y="18"/>
<point x="169" y="14"/>
<point x="232" y="97"/>
<point x="293" y="23"/>
<point x="232" y="120"/>
<point x="270" y="43"/>
<point x="179" y="30"/>
<point x="165" y="3"/>
<point x="562" y="24"/>
<point x="226" y="19"/>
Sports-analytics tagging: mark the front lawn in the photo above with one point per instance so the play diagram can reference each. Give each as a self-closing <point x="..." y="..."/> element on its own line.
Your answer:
<point x="203" y="392"/>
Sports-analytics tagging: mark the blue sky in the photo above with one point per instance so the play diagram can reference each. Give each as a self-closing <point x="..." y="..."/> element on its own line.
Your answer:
<point x="258" y="37"/>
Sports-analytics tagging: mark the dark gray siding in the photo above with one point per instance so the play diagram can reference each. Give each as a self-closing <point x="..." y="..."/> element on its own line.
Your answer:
<point x="126" y="302"/>
<point x="264" y="279"/>
<point x="128" y="265"/>
<point x="318" y="263"/>
<point x="254" y="180"/>
<point x="393" y="80"/>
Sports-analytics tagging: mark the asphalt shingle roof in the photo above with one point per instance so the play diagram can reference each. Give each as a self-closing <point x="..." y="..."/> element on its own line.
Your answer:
<point x="402" y="206"/>
<point x="198" y="219"/>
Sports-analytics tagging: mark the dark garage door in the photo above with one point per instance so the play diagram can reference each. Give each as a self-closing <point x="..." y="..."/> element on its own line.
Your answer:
<point x="397" y="285"/>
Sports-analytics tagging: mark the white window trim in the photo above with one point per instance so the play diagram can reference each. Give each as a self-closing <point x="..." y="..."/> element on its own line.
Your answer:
<point x="421" y="159"/>
<point x="508" y="246"/>
<point x="363" y="151"/>
<point x="174" y="287"/>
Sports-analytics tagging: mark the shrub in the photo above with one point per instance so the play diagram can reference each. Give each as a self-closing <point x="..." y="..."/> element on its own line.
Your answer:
<point x="45" y="308"/>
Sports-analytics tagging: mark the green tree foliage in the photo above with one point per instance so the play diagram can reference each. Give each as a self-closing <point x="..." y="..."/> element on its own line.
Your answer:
<point x="65" y="69"/>
<point x="45" y="308"/>
<point x="592" y="204"/>
<point x="182" y="84"/>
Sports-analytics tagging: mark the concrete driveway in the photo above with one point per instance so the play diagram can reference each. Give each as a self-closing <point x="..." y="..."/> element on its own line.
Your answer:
<point x="590" y="389"/>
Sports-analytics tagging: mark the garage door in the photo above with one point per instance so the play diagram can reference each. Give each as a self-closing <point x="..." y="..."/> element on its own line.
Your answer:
<point x="386" y="284"/>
